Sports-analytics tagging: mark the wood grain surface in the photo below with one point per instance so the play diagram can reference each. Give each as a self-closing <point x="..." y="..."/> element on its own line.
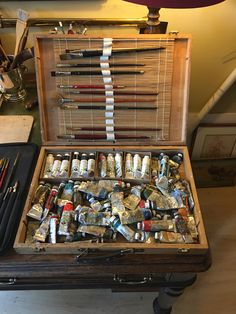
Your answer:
<point x="15" y="128"/>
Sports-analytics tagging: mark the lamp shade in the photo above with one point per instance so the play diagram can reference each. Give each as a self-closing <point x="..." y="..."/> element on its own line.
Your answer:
<point x="176" y="3"/>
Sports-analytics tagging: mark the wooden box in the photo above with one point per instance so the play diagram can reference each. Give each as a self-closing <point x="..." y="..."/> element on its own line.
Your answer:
<point x="154" y="87"/>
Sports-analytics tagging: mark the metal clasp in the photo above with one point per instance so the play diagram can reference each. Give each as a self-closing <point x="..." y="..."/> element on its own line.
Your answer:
<point x="10" y="281"/>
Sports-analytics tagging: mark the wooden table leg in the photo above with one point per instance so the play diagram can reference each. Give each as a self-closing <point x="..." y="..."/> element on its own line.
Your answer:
<point x="168" y="295"/>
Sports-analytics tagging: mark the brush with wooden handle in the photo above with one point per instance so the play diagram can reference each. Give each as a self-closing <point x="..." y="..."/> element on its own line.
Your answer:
<point x="21" y="25"/>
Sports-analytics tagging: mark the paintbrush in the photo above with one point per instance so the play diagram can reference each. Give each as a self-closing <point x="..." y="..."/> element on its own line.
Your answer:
<point x="94" y="72"/>
<point x="62" y="101"/>
<point x="21" y="25"/>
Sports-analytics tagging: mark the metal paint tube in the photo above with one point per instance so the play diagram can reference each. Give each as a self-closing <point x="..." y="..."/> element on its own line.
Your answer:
<point x="117" y="197"/>
<point x="169" y="237"/>
<point x="95" y="204"/>
<point x="39" y="190"/>
<point x="127" y="232"/>
<point x="42" y="232"/>
<point x="118" y="165"/>
<point x="164" y="170"/>
<point x="89" y="216"/>
<point x="144" y="237"/>
<point x="137" y="166"/>
<point x="156" y="225"/>
<point x="97" y="231"/>
<point x="75" y="165"/>
<point x="56" y="166"/>
<point x="154" y="167"/>
<point x="47" y="172"/>
<point x="131" y="216"/>
<point x="50" y="201"/>
<point x="77" y="196"/>
<point x="111" y="166"/>
<point x="66" y="219"/>
<point x="145" y="172"/>
<point x="35" y="212"/>
<point x="131" y="202"/>
<point x="64" y="169"/>
<point x="83" y="169"/>
<point x="91" y="165"/>
<point x="129" y="166"/>
<point x="53" y="229"/>
<point x="102" y="164"/>
<point x="59" y="193"/>
<point x="67" y="193"/>
<point x="192" y="227"/>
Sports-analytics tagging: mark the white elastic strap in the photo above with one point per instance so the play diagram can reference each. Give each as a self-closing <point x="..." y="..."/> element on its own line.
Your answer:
<point x="109" y="100"/>
<point x="110" y="136"/>
<point x="104" y="58"/>
<point x="109" y="122"/>
<point x="107" y="80"/>
<point x="110" y="108"/>
<point x="104" y="65"/>
<point x="109" y="93"/>
<point x="109" y="128"/>
<point x="106" y="72"/>
<point x="109" y="114"/>
<point x="108" y="86"/>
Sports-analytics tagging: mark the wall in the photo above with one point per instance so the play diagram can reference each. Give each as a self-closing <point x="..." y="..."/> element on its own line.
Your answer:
<point x="213" y="30"/>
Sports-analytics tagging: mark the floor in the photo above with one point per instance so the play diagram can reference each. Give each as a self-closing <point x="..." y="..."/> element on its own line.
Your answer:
<point x="213" y="292"/>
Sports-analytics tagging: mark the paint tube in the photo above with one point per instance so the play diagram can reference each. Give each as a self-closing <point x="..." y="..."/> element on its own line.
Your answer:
<point x="169" y="237"/>
<point x="102" y="165"/>
<point x="156" y="225"/>
<point x="145" y="237"/>
<point x="64" y="169"/>
<point x="91" y="164"/>
<point x="126" y="231"/>
<point x="132" y="201"/>
<point x="47" y="172"/>
<point x="117" y="197"/>
<point x="66" y="219"/>
<point x="111" y="166"/>
<point x="56" y="166"/>
<point x="53" y="229"/>
<point x="131" y="216"/>
<point x="97" y="231"/>
<point x="145" y="172"/>
<point x="39" y="200"/>
<point x="67" y="193"/>
<point x="75" y="165"/>
<point x="137" y="166"/>
<point x="129" y="166"/>
<point x="83" y="168"/>
<point x="118" y="165"/>
<point x="89" y="216"/>
<point x="50" y="201"/>
<point x="42" y="232"/>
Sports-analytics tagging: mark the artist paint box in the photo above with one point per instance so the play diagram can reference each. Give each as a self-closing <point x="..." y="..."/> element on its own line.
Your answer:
<point x="122" y="95"/>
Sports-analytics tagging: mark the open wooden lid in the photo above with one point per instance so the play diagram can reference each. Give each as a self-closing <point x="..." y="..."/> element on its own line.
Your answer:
<point x="146" y="104"/>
